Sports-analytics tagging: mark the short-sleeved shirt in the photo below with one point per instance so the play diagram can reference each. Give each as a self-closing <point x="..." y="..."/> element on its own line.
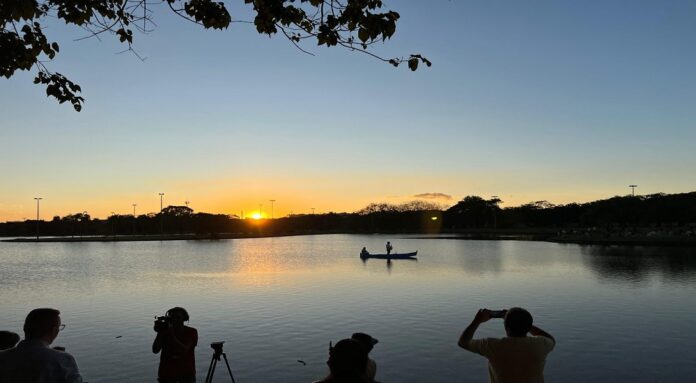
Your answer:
<point x="514" y="359"/>
<point x="175" y="365"/>
<point x="32" y="361"/>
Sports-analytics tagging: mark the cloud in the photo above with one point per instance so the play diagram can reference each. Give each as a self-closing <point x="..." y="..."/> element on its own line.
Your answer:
<point x="438" y="196"/>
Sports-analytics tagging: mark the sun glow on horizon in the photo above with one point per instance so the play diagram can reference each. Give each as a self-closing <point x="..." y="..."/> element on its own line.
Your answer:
<point x="256" y="216"/>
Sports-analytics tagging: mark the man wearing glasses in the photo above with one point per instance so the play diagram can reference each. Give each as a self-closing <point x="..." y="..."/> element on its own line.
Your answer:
<point x="32" y="361"/>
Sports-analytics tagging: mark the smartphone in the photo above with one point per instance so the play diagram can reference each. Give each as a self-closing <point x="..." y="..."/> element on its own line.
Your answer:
<point x="497" y="313"/>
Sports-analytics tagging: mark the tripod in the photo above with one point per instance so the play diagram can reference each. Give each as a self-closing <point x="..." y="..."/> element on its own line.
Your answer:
<point x="213" y="363"/>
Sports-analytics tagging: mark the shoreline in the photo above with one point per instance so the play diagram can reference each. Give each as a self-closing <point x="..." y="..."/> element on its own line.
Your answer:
<point x="537" y="236"/>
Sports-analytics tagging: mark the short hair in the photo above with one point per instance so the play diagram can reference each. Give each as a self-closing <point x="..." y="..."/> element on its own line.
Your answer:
<point x="40" y="322"/>
<point x="181" y="310"/>
<point x="8" y="339"/>
<point x="347" y="358"/>
<point x="518" y="321"/>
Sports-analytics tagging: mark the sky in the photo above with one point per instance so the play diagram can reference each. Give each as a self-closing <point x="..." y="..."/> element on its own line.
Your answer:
<point x="564" y="101"/>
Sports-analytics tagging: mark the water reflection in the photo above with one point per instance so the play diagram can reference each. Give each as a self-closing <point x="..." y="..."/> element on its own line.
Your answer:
<point x="277" y="300"/>
<point x="477" y="257"/>
<point x="637" y="264"/>
<point x="389" y="263"/>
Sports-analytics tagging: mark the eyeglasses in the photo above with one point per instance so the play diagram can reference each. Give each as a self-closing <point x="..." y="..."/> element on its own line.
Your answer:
<point x="61" y="327"/>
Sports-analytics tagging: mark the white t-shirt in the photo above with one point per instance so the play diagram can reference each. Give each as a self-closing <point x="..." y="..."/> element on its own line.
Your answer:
<point x="514" y="359"/>
<point x="32" y="361"/>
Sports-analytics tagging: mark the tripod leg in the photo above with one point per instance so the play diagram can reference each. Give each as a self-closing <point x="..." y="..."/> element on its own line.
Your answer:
<point x="211" y="370"/>
<point x="228" y="367"/>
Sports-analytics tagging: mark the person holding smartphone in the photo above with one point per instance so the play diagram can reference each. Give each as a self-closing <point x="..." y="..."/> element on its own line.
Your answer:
<point x="517" y="357"/>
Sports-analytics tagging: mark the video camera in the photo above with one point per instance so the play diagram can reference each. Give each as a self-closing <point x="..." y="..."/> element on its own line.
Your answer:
<point x="217" y="348"/>
<point x="162" y="323"/>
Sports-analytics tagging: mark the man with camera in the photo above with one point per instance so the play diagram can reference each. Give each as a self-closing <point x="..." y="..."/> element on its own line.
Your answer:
<point x="516" y="358"/>
<point x="177" y="343"/>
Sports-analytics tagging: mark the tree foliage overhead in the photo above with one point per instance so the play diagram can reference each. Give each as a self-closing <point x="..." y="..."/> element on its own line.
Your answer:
<point x="24" y="45"/>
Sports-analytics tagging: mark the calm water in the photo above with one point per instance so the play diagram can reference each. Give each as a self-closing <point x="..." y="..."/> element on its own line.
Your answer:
<point x="619" y="314"/>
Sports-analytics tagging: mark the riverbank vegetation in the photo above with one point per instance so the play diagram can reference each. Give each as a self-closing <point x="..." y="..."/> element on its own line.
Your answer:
<point x="656" y="217"/>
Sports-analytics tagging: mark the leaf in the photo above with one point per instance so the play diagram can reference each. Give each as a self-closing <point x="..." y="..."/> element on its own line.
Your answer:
<point x="389" y="30"/>
<point x="363" y="34"/>
<point x="413" y="64"/>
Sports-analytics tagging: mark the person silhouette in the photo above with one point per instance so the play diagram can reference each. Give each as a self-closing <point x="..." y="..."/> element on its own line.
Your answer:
<point x="31" y="360"/>
<point x="389" y="248"/>
<point x="516" y="358"/>
<point x="177" y="343"/>
<point x="347" y="363"/>
<point x="368" y="342"/>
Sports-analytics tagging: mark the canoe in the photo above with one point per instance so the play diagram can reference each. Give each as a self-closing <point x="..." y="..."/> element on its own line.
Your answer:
<point x="390" y="256"/>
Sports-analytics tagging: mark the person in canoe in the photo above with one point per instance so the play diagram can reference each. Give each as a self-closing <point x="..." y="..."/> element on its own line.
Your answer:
<point x="364" y="253"/>
<point x="389" y="248"/>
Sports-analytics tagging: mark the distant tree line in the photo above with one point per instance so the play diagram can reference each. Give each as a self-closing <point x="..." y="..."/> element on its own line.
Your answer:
<point x="471" y="213"/>
<point x="648" y="210"/>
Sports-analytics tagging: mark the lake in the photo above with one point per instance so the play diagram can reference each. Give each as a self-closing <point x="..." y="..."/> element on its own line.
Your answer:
<point x="618" y="313"/>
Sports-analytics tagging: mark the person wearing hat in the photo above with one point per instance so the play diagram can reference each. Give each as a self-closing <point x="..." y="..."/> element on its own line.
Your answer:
<point x="346" y="363"/>
<point x="368" y="342"/>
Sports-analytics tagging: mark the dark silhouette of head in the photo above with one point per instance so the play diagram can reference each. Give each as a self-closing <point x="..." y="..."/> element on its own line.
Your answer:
<point x="518" y="322"/>
<point x="178" y="316"/>
<point x="8" y="339"/>
<point x="365" y="340"/>
<point x="42" y="324"/>
<point x="347" y="360"/>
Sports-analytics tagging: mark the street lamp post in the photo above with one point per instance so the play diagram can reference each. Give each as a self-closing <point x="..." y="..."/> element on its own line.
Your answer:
<point x="633" y="190"/>
<point x="312" y="211"/>
<point x="495" y="213"/>
<point x="37" y="216"/>
<point x="161" y="216"/>
<point x="272" y="201"/>
<point x="134" y="219"/>
<point x="86" y="222"/>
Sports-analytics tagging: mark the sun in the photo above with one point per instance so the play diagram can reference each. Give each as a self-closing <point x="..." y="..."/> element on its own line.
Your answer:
<point x="256" y="216"/>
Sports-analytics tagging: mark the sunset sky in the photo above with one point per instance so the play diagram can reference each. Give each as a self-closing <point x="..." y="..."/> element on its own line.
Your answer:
<point x="527" y="100"/>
